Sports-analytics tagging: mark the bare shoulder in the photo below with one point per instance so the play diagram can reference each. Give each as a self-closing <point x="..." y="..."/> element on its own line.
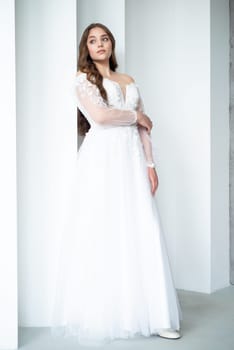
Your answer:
<point x="127" y="78"/>
<point x="122" y="78"/>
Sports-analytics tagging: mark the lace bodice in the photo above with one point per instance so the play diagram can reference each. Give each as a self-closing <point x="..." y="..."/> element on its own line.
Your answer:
<point x="120" y="110"/>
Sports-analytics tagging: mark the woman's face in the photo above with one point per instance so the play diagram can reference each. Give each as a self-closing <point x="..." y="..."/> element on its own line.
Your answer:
<point x="99" y="44"/>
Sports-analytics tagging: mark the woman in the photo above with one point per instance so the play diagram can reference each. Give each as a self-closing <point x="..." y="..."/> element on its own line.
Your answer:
<point x="114" y="279"/>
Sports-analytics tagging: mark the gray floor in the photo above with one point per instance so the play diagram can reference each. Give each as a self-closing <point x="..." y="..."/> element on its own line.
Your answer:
<point x="208" y="324"/>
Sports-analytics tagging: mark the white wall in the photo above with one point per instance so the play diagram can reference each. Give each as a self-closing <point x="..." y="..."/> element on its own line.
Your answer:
<point x="46" y="144"/>
<point x="150" y="47"/>
<point x="8" y="198"/>
<point x="169" y="53"/>
<point x="192" y="147"/>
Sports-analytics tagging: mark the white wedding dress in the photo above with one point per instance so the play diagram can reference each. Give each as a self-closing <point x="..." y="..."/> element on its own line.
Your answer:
<point x="114" y="277"/>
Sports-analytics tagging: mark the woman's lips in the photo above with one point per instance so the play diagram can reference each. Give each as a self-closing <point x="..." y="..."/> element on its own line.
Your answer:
<point x="101" y="51"/>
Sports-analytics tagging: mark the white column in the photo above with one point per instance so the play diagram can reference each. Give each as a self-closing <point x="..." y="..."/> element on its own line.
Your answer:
<point x="110" y="13"/>
<point x="46" y="144"/>
<point x="8" y="198"/>
<point x="220" y="241"/>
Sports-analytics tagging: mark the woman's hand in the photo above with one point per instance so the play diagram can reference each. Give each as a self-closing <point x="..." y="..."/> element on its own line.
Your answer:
<point x="153" y="177"/>
<point x="144" y="120"/>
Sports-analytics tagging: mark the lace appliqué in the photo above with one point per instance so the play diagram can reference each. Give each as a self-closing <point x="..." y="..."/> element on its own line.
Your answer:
<point x="86" y="88"/>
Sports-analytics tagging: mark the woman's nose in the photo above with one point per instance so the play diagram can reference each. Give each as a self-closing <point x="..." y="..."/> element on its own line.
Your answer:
<point x="100" y="43"/>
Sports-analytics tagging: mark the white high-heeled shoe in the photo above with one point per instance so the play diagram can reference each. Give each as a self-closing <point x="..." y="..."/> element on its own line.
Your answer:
<point x="169" y="334"/>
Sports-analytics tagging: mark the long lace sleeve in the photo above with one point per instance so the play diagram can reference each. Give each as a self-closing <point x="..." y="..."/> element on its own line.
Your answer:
<point x="91" y="103"/>
<point x="145" y="138"/>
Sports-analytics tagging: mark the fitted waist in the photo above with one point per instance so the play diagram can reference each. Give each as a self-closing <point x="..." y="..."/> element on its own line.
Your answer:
<point x="115" y="128"/>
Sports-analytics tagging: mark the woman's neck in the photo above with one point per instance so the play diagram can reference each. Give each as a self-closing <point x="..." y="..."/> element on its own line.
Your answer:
<point x="104" y="69"/>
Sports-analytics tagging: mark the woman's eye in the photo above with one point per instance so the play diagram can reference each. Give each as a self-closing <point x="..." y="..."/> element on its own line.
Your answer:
<point x="92" y="41"/>
<point x="105" y="39"/>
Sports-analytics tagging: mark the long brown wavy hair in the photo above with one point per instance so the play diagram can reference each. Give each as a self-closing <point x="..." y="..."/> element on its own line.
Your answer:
<point x="86" y="65"/>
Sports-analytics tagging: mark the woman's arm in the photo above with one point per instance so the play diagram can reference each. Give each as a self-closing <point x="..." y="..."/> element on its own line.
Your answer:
<point x="91" y="103"/>
<point x="147" y="144"/>
<point x="145" y="137"/>
<point x="148" y="150"/>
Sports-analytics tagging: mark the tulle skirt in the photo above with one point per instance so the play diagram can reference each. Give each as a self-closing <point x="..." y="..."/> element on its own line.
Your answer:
<point x="114" y="279"/>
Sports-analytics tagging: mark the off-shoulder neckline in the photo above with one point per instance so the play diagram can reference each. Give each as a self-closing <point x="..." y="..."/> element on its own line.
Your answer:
<point x="104" y="78"/>
<point x="124" y="93"/>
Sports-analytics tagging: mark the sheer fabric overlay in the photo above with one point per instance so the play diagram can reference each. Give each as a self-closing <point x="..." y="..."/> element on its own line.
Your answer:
<point x="92" y="103"/>
<point x="93" y="106"/>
